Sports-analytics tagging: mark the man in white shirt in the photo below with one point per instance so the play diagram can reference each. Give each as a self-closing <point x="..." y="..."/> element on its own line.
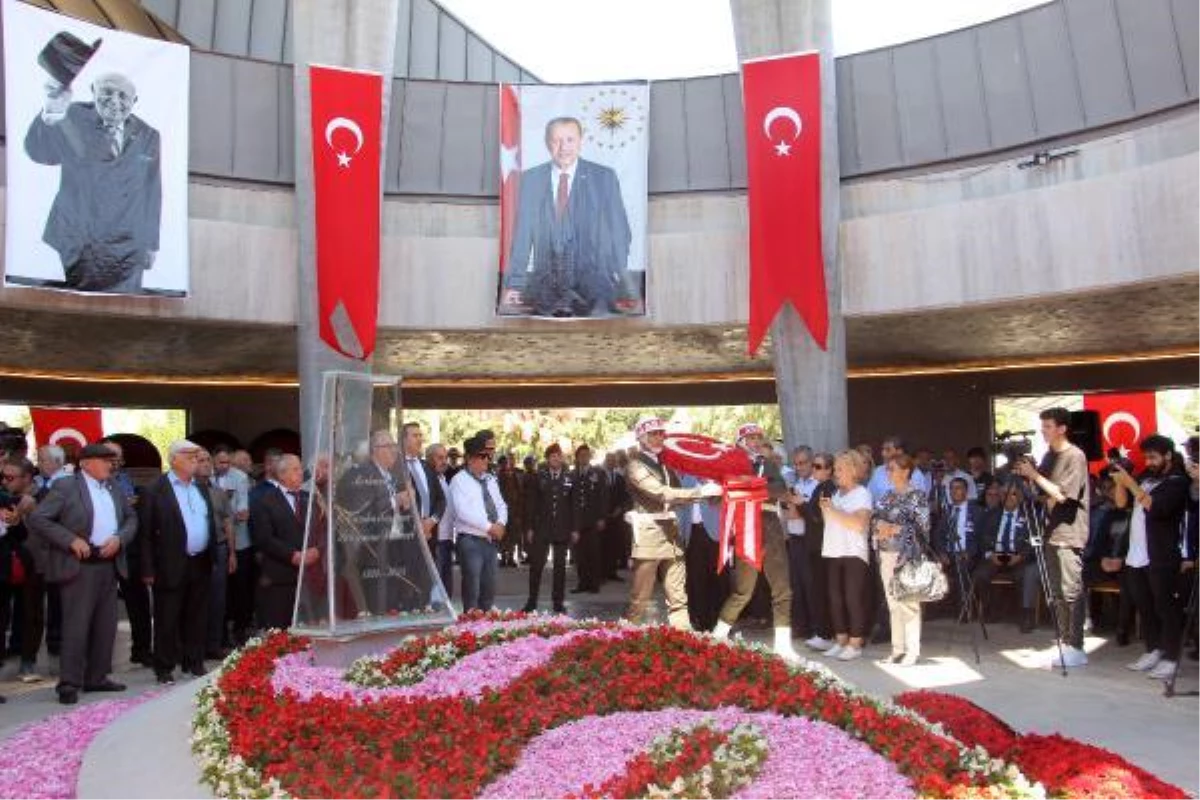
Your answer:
<point x="879" y="485"/>
<point x="236" y="485"/>
<point x="480" y="517"/>
<point x="803" y="487"/>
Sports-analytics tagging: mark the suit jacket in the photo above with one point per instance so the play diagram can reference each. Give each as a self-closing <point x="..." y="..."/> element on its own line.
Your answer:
<point x="946" y="539"/>
<point x="594" y="236"/>
<point x="368" y="500"/>
<point x="992" y="527"/>
<point x="278" y="535"/>
<point x="550" y="505"/>
<point x="437" y="497"/>
<point x="65" y="514"/>
<point x="163" y="544"/>
<point x="116" y="201"/>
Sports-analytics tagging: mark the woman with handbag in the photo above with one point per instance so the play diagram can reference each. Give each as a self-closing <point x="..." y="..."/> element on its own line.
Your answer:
<point x="900" y="534"/>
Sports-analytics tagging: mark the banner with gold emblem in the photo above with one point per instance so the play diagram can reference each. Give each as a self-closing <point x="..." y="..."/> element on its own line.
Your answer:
<point x="573" y="200"/>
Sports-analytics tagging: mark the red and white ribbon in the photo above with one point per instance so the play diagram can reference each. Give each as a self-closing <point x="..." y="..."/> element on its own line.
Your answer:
<point x="741" y="521"/>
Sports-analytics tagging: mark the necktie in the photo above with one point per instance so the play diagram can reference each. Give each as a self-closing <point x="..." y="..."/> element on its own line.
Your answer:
<point x="297" y="507"/>
<point x="563" y="196"/>
<point x="489" y="505"/>
<point x="114" y="141"/>
<point x="962" y="527"/>
<point x="1006" y="536"/>
<point x="418" y="478"/>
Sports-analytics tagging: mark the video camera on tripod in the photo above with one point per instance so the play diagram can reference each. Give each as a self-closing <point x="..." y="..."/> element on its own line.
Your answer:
<point x="1014" y="445"/>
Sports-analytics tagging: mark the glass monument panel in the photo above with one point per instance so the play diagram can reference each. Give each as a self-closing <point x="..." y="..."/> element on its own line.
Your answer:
<point x="375" y="571"/>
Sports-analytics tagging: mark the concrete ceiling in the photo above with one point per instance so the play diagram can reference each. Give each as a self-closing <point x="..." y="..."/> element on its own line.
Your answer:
<point x="1136" y="319"/>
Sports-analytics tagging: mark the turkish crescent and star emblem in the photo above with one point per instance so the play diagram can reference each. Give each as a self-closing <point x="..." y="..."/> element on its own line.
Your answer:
<point x="347" y="124"/>
<point x="783" y="146"/>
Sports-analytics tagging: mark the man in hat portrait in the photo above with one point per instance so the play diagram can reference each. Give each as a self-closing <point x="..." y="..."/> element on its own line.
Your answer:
<point x="104" y="221"/>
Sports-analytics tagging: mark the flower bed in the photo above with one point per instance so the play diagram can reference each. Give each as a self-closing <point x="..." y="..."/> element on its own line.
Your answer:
<point x="43" y="759"/>
<point x="490" y="696"/>
<point x="1066" y="767"/>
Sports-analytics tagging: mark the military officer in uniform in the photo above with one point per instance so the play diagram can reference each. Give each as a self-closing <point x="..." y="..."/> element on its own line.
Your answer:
<point x="775" y="555"/>
<point x="550" y="520"/>
<point x="657" y="552"/>
<point x="591" y="508"/>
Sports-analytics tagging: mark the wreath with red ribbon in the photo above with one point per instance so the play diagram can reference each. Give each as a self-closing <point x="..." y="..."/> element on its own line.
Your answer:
<point x="705" y="457"/>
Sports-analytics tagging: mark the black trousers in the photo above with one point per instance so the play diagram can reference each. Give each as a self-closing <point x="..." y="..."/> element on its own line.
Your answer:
<point x="849" y="595"/>
<point x="240" y="588"/>
<point x="538" y="553"/>
<point x="1152" y="592"/>
<point x="89" y="625"/>
<point x="181" y="617"/>
<point x="706" y="590"/>
<point x="275" y="604"/>
<point x="588" y="554"/>
<point x="33" y="616"/>
<point x="612" y="547"/>
<point x="54" y="619"/>
<point x="810" y="594"/>
<point x="137" y="607"/>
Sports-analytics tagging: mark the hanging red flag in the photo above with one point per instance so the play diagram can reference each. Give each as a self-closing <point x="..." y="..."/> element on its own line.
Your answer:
<point x="510" y="166"/>
<point x="63" y="426"/>
<point x="782" y="100"/>
<point x="1125" y="420"/>
<point x="347" y="120"/>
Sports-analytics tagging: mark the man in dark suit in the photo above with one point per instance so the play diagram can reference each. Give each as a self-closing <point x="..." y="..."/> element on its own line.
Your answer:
<point x="278" y="515"/>
<point x="83" y="528"/>
<point x="428" y="498"/>
<point x="550" y="517"/>
<point x="1005" y="548"/>
<point x="105" y="219"/>
<point x="178" y="540"/>
<point x="591" y="510"/>
<point x="570" y="246"/>
<point x="957" y="537"/>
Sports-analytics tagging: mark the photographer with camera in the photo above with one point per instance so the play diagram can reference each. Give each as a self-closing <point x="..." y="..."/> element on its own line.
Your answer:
<point x="1062" y="479"/>
<point x="1153" y="561"/>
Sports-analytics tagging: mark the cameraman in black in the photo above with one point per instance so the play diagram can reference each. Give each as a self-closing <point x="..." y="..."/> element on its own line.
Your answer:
<point x="1062" y="479"/>
<point x="1153" y="560"/>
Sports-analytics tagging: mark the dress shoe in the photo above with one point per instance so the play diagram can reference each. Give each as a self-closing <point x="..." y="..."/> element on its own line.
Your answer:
<point x="578" y="590"/>
<point x="594" y="590"/>
<point x="560" y="609"/>
<point x="3" y="699"/>
<point x="198" y="669"/>
<point x="107" y="685"/>
<point x="1026" y="625"/>
<point x="68" y="695"/>
<point x="145" y="659"/>
<point x="216" y="655"/>
<point x="165" y="678"/>
<point x="530" y="608"/>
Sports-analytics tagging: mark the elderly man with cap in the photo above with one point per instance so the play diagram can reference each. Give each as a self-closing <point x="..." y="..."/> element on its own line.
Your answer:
<point x="657" y="552"/>
<point x="550" y="519"/>
<point x="178" y="544"/>
<point x="83" y="528"/>
<point x="480" y="517"/>
<point x="775" y="554"/>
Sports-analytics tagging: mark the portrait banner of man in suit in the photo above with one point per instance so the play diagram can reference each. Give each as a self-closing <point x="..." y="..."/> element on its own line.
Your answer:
<point x="97" y="131"/>
<point x="573" y="167"/>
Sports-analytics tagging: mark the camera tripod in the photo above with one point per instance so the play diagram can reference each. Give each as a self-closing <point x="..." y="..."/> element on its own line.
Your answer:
<point x="968" y="603"/>
<point x="1189" y="621"/>
<point x="1036" y="527"/>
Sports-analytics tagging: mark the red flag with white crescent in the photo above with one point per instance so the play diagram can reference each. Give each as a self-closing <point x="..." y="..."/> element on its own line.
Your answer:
<point x="1125" y="420"/>
<point x="61" y="426"/>
<point x="347" y="148"/>
<point x="782" y="100"/>
<point x="510" y="166"/>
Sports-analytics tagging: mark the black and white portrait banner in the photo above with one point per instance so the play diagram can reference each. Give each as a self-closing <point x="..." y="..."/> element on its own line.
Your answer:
<point x="96" y="134"/>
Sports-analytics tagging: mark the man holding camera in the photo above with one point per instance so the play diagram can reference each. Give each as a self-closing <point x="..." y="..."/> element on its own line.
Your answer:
<point x="1062" y="478"/>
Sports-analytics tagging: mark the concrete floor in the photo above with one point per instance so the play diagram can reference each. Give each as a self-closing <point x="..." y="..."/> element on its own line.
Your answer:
<point x="145" y="753"/>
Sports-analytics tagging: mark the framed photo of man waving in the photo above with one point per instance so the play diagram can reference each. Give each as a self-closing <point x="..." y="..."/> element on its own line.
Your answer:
<point x="96" y="125"/>
<point x="573" y="200"/>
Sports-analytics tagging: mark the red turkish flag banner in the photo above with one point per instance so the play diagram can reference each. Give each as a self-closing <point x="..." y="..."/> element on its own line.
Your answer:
<point x="1125" y="420"/>
<point x="347" y="148"/>
<point x="62" y="426"/>
<point x="782" y="100"/>
<point x="510" y="167"/>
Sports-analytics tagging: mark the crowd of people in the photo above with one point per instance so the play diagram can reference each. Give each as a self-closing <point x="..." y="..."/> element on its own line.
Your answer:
<point x="207" y="554"/>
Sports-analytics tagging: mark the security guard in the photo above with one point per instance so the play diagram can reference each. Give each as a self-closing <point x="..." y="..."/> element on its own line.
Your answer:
<point x="653" y="489"/>
<point x="591" y="507"/>
<point x="775" y="555"/>
<point x="550" y="516"/>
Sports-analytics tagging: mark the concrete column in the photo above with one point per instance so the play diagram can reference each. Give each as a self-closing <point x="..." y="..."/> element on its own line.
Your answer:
<point x="811" y="383"/>
<point x="358" y="34"/>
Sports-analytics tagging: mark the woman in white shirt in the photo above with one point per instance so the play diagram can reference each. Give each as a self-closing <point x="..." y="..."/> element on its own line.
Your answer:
<point x="847" y="515"/>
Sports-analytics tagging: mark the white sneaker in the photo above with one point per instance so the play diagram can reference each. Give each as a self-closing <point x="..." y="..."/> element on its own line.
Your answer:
<point x="1163" y="671"/>
<point x="1147" y="661"/>
<point x="819" y="643"/>
<point x="850" y="653"/>
<point x="1071" y="657"/>
<point x="835" y="651"/>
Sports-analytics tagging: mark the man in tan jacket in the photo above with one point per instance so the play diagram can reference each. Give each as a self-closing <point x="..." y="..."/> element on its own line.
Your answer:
<point x="653" y="489"/>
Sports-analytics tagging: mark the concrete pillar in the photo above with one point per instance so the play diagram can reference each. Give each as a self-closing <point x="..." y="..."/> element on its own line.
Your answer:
<point x="359" y="34"/>
<point x="811" y="383"/>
